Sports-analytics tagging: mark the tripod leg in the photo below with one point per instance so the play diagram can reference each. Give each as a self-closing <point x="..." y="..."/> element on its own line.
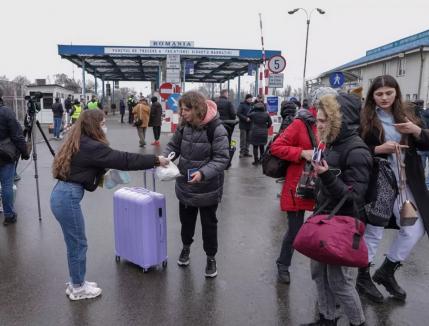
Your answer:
<point x="36" y="173"/>
<point x="44" y="137"/>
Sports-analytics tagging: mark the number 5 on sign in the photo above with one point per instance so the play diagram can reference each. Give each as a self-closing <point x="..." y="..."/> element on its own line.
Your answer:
<point x="277" y="64"/>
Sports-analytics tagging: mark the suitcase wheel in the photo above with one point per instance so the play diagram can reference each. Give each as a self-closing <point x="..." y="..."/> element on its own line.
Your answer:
<point x="164" y="264"/>
<point x="118" y="259"/>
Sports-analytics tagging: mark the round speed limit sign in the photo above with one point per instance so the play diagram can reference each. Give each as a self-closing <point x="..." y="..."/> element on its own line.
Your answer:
<point x="277" y="64"/>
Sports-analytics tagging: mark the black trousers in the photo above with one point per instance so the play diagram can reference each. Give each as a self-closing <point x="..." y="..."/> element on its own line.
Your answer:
<point x="130" y="115"/>
<point x="295" y="221"/>
<point x="156" y="132"/>
<point x="188" y="218"/>
<point x="255" y="151"/>
<point x="122" y="117"/>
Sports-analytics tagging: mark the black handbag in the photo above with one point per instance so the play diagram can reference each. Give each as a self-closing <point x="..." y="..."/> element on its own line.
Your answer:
<point x="138" y="122"/>
<point x="8" y="150"/>
<point x="272" y="166"/>
<point x="307" y="182"/>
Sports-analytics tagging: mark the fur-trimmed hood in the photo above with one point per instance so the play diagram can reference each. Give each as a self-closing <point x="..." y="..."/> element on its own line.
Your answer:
<point x="343" y="117"/>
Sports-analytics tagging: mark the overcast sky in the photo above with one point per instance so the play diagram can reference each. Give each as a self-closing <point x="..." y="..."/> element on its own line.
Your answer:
<point x="31" y="30"/>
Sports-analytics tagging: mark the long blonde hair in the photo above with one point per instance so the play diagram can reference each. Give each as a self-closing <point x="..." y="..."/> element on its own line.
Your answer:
<point x="88" y="124"/>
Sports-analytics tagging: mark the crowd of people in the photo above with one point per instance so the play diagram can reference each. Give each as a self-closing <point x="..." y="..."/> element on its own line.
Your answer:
<point x="329" y="123"/>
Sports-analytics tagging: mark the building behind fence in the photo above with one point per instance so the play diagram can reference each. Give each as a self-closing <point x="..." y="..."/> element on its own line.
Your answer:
<point x="13" y="97"/>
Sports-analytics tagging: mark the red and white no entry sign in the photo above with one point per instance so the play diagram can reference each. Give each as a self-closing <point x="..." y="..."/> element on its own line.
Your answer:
<point x="166" y="89"/>
<point x="277" y="64"/>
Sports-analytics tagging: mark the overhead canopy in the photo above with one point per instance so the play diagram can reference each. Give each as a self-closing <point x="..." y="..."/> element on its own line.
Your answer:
<point x="127" y="63"/>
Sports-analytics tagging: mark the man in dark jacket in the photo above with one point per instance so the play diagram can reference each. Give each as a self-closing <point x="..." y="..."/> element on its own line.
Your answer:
<point x="122" y="109"/>
<point x="245" y="124"/>
<point x="68" y="107"/>
<point x="155" y="119"/>
<point x="9" y="129"/>
<point x="226" y="113"/>
<point x="58" y="111"/>
<point x="131" y="103"/>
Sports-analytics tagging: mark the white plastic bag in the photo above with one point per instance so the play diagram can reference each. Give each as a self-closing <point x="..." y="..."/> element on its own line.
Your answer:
<point x="113" y="178"/>
<point x="169" y="172"/>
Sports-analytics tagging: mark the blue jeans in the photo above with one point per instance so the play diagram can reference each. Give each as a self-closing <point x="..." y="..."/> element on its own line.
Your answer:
<point x="57" y="126"/>
<point x="65" y="205"/>
<point x="7" y="173"/>
<point x="425" y="156"/>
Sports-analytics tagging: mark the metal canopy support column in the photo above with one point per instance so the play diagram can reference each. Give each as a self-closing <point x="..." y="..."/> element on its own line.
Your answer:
<point x="95" y="82"/>
<point x="228" y="85"/>
<point x="256" y="81"/>
<point x="102" y="86"/>
<point x="113" y="92"/>
<point x="212" y="90"/>
<point x="83" y="80"/>
<point x="238" y="90"/>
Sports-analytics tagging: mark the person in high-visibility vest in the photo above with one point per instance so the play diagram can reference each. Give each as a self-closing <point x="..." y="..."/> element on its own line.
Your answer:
<point x="76" y="111"/>
<point x="93" y="104"/>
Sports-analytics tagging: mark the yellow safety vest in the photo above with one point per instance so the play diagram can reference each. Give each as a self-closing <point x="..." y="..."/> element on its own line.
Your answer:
<point x="92" y="105"/>
<point x="77" y="111"/>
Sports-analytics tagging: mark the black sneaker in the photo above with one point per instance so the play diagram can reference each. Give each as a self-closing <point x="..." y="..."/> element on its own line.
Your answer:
<point x="211" y="270"/>
<point x="184" y="257"/>
<point x="9" y="220"/>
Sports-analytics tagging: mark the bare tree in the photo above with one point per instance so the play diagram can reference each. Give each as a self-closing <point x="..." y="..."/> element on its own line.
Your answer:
<point x="21" y="80"/>
<point x="69" y="83"/>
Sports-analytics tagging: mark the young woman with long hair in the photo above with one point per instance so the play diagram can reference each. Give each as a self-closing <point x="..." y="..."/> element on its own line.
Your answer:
<point x="79" y="165"/>
<point x="386" y="124"/>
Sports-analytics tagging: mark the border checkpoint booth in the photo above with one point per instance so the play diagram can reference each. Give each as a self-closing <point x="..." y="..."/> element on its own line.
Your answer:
<point x="166" y="62"/>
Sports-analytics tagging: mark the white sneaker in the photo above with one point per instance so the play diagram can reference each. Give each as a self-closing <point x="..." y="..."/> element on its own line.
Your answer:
<point x="84" y="292"/>
<point x="70" y="286"/>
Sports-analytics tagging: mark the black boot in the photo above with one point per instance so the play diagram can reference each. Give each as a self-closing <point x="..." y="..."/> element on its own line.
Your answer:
<point x="385" y="276"/>
<point x="322" y="322"/>
<point x="283" y="274"/>
<point x="365" y="286"/>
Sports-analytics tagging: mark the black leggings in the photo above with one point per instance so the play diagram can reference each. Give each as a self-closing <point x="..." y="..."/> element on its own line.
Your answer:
<point x="295" y="221"/>
<point x="156" y="132"/>
<point x="255" y="151"/>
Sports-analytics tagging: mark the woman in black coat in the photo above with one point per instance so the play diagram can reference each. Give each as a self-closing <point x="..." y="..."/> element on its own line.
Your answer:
<point x="258" y="137"/>
<point x="345" y="170"/>
<point x="386" y="124"/>
<point x="155" y="119"/>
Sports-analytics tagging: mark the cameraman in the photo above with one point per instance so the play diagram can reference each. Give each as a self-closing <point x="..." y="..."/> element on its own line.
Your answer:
<point x="11" y="130"/>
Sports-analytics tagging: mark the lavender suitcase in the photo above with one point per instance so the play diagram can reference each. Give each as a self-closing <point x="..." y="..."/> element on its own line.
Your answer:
<point x="140" y="226"/>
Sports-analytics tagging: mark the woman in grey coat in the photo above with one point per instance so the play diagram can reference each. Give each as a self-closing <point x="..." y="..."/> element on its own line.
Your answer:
<point x="201" y="141"/>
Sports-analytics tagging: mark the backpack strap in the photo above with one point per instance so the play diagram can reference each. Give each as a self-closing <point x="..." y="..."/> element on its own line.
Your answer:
<point x="211" y="127"/>
<point x="310" y="132"/>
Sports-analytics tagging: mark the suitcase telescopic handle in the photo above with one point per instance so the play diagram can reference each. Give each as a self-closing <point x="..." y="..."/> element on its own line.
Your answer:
<point x="153" y="179"/>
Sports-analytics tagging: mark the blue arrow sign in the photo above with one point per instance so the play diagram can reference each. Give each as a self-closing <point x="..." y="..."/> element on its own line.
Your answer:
<point x="336" y="79"/>
<point x="173" y="102"/>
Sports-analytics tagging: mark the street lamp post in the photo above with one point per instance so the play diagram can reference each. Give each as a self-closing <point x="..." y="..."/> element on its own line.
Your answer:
<point x="320" y="11"/>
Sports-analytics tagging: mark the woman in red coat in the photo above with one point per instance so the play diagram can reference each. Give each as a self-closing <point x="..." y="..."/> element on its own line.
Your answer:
<point x="294" y="145"/>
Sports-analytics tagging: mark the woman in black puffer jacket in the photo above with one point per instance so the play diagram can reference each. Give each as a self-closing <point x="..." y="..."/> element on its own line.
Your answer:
<point x="258" y="137"/>
<point x="346" y="168"/>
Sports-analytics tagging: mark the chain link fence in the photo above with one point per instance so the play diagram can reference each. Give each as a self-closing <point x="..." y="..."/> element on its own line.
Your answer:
<point x="13" y="97"/>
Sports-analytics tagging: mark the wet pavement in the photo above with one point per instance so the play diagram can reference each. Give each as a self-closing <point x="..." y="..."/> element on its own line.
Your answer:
<point x="33" y="267"/>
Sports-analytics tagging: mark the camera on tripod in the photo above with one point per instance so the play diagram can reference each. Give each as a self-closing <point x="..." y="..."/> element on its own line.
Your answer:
<point x="33" y="103"/>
